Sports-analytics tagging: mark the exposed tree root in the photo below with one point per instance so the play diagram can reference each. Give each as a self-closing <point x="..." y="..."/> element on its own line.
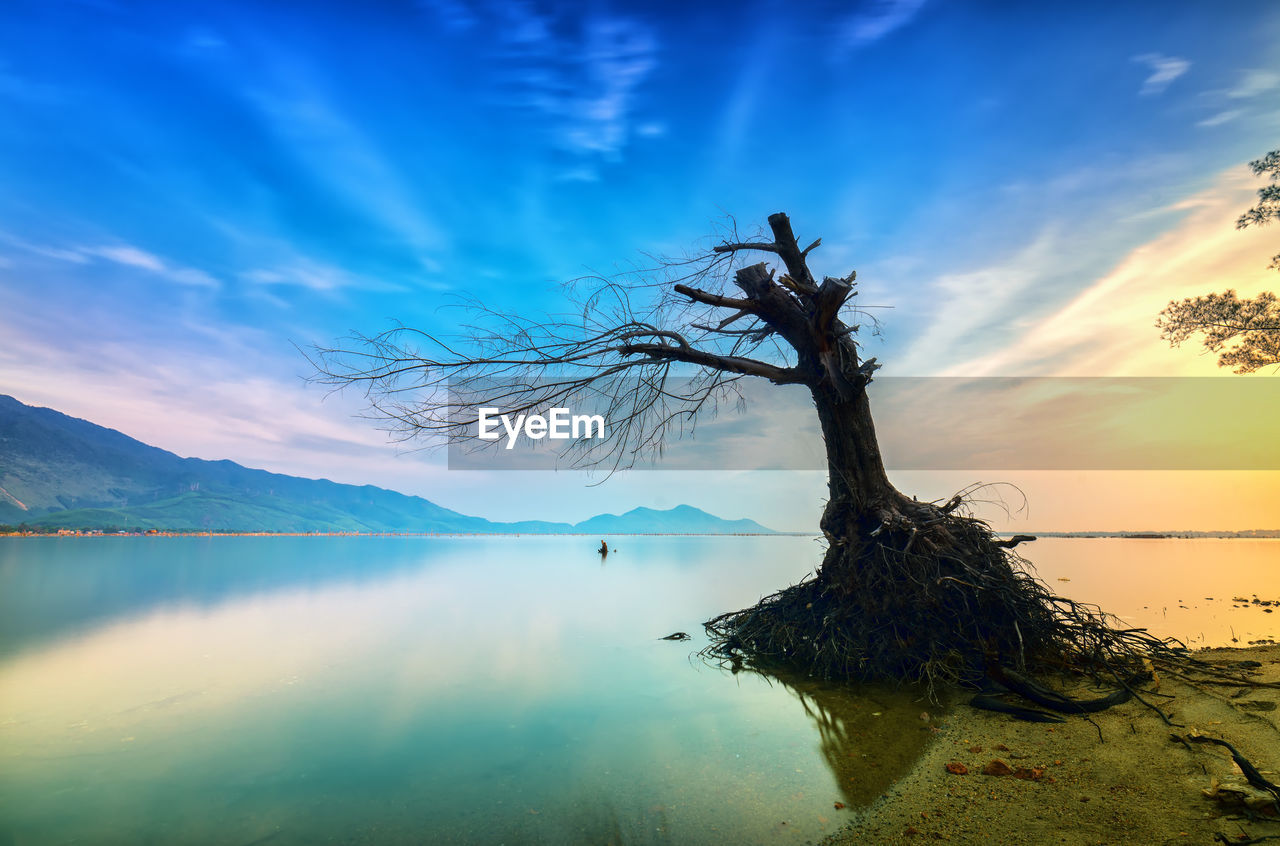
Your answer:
<point x="931" y="595"/>
<point x="1251" y="773"/>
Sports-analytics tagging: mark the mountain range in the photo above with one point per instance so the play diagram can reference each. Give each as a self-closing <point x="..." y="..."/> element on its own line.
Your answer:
<point x="61" y="471"/>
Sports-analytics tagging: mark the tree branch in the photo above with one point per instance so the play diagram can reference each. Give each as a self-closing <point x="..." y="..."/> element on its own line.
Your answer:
<point x="786" y="248"/>
<point x="629" y="342"/>
<point x="1010" y="543"/>
<point x="656" y="333"/>
<point x="827" y="301"/>
<point x="724" y="363"/>
<point x="757" y="330"/>
<point x="733" y="248"/>
<point x="718" y="300"/>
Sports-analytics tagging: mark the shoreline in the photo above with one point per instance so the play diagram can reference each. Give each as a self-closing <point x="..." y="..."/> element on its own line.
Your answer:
<point x="1134" y="786"/>
<point x="194" y="534"/>
<point x="1255" y="534"/>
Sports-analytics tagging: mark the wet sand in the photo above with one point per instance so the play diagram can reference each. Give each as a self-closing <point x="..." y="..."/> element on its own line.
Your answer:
<point x="1134" y="785"/>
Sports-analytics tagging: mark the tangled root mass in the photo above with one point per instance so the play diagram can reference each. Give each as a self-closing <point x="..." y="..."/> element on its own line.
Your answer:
<point x="925" y="594"/>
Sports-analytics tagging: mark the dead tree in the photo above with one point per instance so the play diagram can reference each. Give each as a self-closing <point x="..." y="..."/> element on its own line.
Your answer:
<point x="906" y="589"/>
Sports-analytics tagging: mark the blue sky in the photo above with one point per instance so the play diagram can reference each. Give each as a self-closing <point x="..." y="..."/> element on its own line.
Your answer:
<point x="192" y="189"/>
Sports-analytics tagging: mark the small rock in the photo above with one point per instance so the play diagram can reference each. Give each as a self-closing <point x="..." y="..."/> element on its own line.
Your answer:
<point x="975" y="749"/>
<point x="997" y="768"/>
<point x="957" y="768"/>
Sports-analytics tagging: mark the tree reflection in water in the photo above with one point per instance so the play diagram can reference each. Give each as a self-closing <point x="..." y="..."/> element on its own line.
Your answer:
<point x="869" y="734"/>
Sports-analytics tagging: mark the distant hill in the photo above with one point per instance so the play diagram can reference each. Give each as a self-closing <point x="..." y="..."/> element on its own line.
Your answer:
<point x="61" y="471"/>
<point x="683" y="519"/>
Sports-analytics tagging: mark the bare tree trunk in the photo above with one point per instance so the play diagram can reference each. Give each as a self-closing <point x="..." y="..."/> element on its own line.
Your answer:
<point x="860" y="493"/>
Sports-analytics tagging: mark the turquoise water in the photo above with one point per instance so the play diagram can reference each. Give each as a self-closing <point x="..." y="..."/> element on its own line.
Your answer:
<point x="411" y="690"/>
<point x="470" y="690"/>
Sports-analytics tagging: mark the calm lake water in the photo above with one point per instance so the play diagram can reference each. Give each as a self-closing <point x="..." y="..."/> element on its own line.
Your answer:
<point x="469" y="690"/>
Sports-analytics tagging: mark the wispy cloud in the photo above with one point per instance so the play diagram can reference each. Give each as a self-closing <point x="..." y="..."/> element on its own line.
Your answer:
<point x="16" y="87"/>
<point x="456" y="15"/>
<point x="131" y="256"/>
<point x="44" y="250"/>
<point x="582" y="76"/>
<point x="975" y="304"/>
<point x="1244" y="98"/>
<point x="1164" y="70"/>
<point x="1220" y="118"/>
<point x="340" y="156"/>
<point x="275" y="262"/>
<point x="616" y="57"/>
<point x="125" y="255"/>
<point x="201" y="40"/>
<point x="1253" y="83"/>
<point x="581" y="173"/>
<point x="313" y="275"/>
<point x="1108" y="328"/>
<point x="879" y="18"/>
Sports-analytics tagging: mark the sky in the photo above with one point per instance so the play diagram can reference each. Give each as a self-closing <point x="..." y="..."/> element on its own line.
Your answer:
<point x="193" y="193"/>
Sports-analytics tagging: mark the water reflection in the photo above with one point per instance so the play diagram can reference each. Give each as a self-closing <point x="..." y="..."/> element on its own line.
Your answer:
<point x="869" y="735"/>
<point x="69" y="585"/>
<point x="424" y="690"/>
<point x="508" y="690"/>
<point x="1174" y="587"/>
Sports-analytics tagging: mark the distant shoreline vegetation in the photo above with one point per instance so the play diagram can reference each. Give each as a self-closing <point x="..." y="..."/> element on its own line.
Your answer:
<point x="49" y="531"/>
<point x="52" y="531"/>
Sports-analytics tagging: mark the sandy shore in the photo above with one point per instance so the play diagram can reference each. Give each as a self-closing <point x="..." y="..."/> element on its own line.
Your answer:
<point x="1135" y="785"/>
